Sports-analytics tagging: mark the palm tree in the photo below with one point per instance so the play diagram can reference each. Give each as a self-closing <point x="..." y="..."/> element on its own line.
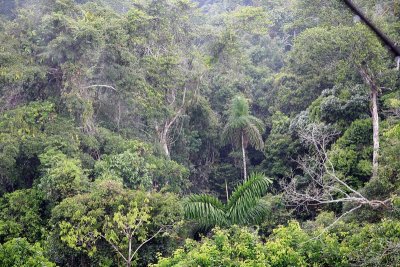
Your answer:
<point x="244" y="207"/>
<point x="242" y="128"/>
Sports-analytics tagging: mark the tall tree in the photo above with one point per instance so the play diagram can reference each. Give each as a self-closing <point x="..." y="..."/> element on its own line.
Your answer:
<point x="370" y="80"/>
<point x="362" y="60"/>
<point x="242" y="128"/>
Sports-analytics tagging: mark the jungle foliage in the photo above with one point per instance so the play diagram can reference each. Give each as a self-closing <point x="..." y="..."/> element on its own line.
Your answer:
<point x="198" y="133"/>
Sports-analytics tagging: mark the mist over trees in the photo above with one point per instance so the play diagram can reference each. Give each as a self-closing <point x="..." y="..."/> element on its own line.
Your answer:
<point x="198" y="133"/>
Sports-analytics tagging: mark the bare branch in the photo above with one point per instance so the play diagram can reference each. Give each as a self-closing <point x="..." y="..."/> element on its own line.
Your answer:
<point x="146" y="241"/>
<point x="332" y="224"/>
<point x="321" y="184"/>
<point x="114" y="247"/>
<point x="101" y="85"/>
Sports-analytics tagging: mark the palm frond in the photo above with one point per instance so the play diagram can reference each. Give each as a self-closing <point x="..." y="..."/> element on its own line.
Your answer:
<point x="231" y="134"/>
<point x="246" y="197"/>
<point x="258" y="212"/>
<point x="254" y="136"/>
<point x="257" y="122"/>
<point x="205" y="209"/>
<point x="234" y="127"/>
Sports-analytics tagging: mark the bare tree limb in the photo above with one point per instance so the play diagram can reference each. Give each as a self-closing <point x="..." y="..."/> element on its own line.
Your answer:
<point x="332" y="224"/>
<point x="114" y="247"/>
<point x="322" y="184"/>
<point x="101" y="85"/>
<point x="146" y="241"/>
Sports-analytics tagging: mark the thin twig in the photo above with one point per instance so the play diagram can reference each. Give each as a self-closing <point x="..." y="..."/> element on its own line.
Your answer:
<point x="332" y="224"/>
<point x="148" y="240"/>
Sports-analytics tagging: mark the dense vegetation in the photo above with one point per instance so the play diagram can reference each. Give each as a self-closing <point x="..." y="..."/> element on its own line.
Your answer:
<point x="209" y="133"/>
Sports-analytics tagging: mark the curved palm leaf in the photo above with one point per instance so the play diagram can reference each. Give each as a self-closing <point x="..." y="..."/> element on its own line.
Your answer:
<point x="256" y="122"/>
<point x="246" y="197"/>
<point x="206" y="210"/>
<point x="258" y="212"/>
<point x="253" y="135"/>
<point x="230" y="134"/>
<point x="245" y="206"/>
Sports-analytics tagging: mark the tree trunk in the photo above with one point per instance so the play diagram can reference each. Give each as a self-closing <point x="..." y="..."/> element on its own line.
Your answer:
<point x="375" y="119"/>
<point x="164" y="143"/>
<point x="129" y="259"/>
<point x="163" y="137"/>
<point x="226" y="191"/>
<point x="244" y="159"/>
<point x="375" y="128"/>
<point x="163" y="133"/>
<point x="119" y="116"/>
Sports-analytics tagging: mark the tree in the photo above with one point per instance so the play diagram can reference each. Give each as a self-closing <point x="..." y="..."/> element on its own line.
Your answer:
<point x="371" y="81"/>
<point x="130" y="167"/>
<point x="27" y="132"/>
<point x="123" y="219"/>
<point x="172" y="69"/>
<point x="321" y="183"/>
<point x="344" y="245"/>
<point x="351" y="154"/>
<point x="280" y="147"/>
<point x="238" y="246"/>
<point x="242" y="128"/>
<point x="138" y="167"/>
<point x="20" y="253"/>
<point x="362" y="59"/>
<point x="62" y="176"/>
<point x="245" y="206"/>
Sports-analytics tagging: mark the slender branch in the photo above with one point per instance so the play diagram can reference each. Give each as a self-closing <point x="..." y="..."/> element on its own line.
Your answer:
<point x="101" y="85"/>
<point x="332" y="224"/>
<point x="136" y="227"/>
<point x="114" y="247"/>
<point x="178" y="113"/>
<point x="325" y="184"/>
<point x="148" y="240"/>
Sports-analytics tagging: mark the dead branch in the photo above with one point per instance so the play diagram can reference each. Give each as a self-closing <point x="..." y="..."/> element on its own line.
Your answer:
<point x="146" y="241"/>
<point x="321" y="184"/>
<point x="101" y="85"/>
<point x="333" y="223"/>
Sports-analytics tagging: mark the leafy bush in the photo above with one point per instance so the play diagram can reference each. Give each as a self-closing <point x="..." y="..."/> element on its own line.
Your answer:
<point x="62" y="176"/>
<point x="21" y="215"/>
<point x="20" y="253"/>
